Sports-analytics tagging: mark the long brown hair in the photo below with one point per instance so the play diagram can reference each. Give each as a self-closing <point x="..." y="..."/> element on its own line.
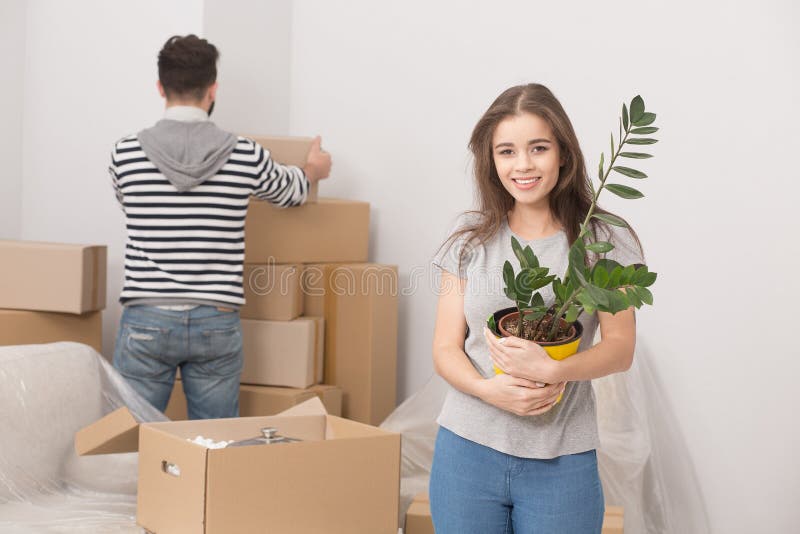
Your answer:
<point x="570" y="199"/>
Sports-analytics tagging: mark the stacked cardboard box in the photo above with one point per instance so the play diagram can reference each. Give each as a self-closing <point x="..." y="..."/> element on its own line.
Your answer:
<point x="51" y="292"/>
<point x="418" y="518"/>
<point x="316" y="312"/>
<point x="359" y="304"/>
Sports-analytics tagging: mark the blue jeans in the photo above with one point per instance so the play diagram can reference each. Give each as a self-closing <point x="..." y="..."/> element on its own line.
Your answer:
<point x="205" y="342"/>
<point x="476" y="489"/>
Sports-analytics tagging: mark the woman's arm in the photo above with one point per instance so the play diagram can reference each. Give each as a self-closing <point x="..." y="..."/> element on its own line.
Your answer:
<point x="513" y="394"/>
<point x="449" y="359"/>
<point x="613" y="354"/>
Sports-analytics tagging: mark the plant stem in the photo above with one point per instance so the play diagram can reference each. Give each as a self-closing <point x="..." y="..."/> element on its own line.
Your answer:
<point x="561" y="311"/>
<point x="539" y="322"/>
<point x="585" y="224"/>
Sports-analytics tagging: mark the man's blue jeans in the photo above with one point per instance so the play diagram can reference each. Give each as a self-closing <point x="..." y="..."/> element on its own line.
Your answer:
<point x="205" y="342"/>
<point x="478" y="490"/>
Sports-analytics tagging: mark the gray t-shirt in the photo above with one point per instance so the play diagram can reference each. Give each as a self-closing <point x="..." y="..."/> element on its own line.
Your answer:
<point x="571" y="426"/>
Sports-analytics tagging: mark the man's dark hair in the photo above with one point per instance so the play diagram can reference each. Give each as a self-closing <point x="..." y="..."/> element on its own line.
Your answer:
<point x="187" y="66"/>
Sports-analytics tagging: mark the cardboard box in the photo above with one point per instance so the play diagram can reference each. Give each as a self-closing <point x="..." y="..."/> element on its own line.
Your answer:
<point x="52" y="277"/>
<point x="289" y="151"/>
<point x="418" y="517"/>
<point x="329" y="231"/>
<point x="343" y="478"/>
<point x="283" y="353"/>
<point x="359" y="303"/>
<point x="264" y="400"/>
<point x="20" y="327"/>
<point x="272" y="292"/>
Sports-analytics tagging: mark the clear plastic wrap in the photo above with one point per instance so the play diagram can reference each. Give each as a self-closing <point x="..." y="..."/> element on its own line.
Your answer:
<point x="47" y="393"/>
<point x="643" y="460"/>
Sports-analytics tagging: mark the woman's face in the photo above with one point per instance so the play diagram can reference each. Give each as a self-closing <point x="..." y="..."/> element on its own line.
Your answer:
<point x="527" y="158"/>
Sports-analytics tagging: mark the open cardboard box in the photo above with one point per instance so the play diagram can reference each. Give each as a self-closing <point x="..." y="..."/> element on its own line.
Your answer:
<point x="343" y="478"/>
<point x="263" y="400"/>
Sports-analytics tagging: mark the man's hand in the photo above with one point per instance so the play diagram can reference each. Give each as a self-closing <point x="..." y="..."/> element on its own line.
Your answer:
<point x="318" y="162"/>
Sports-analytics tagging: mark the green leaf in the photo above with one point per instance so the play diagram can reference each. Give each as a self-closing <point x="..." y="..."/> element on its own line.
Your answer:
<point x="517" y="248"/>
<point x="634" y="299"/>
<point x="541" y="282"/>
<point x="638" y="274"/>
<point x="537" y="301"/>
<point x="600" y="246"/>
<point x="616" y="274"/>
<point x="610" y="219"/>
<point x="644" y="131"/>
<point x="508" y="275"/>
<point x="600" y="276"/>
<point x="572" y="314"/>
<point x="492" y="325"/>
<point x="600" y="170"/>
<point x="534" y="315"/>
<point x="634" y="155"/>
<point x="608" y="265"/>
<point x="642" y="141"/>
<point x="627" y="275"/>
<point x="625" y="116"/>
<point x="646" y="118"/>
<point x="533" y="261"/>
<point x="618" y="301"/>
<point x="644" y="294"/>
<point x="631" y="173"/>
<point x="577" y="262"/>
<point x="560" y="290"/>
<point x="523" y="285"/>
<point x="598" y="295"/>
<point x="637" y="108"/>
<point x="612" y="144"/>
<point x="624" y="191"/>
<point x="648" y="280"/>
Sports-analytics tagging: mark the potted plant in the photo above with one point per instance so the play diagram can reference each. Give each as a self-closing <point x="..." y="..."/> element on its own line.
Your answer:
<point x="607" y="286"/>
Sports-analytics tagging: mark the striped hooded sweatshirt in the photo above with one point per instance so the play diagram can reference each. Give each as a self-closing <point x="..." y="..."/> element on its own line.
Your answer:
<point x="184" y="186"/>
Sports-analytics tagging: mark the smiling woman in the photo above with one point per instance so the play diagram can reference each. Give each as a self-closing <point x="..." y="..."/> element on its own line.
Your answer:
<point x="526" y="159"/>
<point x="509" y="456"/>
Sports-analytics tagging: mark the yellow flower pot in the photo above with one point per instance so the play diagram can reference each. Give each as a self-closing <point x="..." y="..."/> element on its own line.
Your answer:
<point x="558" y="350"/>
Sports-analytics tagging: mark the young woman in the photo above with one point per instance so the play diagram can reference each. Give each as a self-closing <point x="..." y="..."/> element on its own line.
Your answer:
<point x="508" y="457"/>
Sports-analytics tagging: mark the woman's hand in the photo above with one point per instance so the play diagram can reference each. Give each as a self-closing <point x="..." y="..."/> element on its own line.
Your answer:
<point x="521" y="358"/>
<point x="519" y="395"/>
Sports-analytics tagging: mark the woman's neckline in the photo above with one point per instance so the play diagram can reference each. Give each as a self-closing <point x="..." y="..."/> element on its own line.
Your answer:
<point x="557" y="234"/>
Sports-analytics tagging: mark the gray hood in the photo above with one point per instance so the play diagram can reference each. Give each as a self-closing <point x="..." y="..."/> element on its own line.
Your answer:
<point x="187" y="153"/>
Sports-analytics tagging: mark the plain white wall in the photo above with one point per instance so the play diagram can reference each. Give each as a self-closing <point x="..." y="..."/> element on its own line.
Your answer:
<point x="395" y="89"/>
<point x="254" y="40"/>
<point x="12" y="40"/>
<point x="90" y="79"/>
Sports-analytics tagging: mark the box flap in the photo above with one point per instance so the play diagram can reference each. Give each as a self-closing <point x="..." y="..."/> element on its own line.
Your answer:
<point x="116" y="432"/>
<point x="312" y="406"/>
